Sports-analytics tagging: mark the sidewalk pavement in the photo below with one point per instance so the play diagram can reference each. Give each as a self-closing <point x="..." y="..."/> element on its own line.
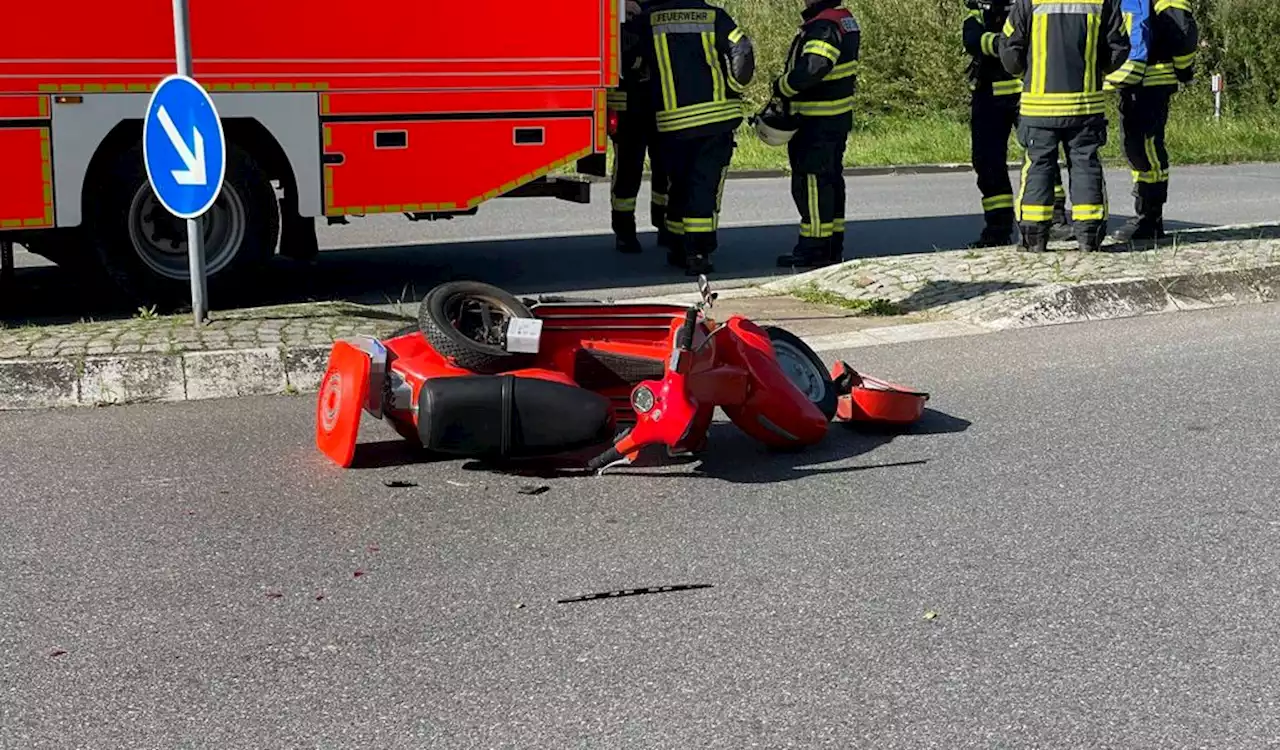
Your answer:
<point x="996" y="289"/>
<point x="866" y="302"/>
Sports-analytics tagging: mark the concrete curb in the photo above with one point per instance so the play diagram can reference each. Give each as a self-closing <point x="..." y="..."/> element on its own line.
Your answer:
<point x="150" y="378"/>
<point x="1127" y="298"/>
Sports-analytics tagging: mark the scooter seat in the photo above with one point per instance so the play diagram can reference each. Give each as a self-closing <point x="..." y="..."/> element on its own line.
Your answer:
<point x="507" y="416"/>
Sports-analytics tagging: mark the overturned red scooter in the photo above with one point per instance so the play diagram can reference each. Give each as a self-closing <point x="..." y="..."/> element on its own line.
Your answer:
<point x="486" y="375"/>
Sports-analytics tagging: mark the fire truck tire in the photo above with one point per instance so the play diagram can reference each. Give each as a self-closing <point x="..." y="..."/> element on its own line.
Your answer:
<point x="143" y="247"/>
<point x="441" y="319"/>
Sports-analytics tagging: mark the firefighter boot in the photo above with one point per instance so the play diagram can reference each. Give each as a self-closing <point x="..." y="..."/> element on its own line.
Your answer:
<point x="1035" y="237"/>
<point x="624" y="232"/>
<point x="1149" y="207"/>
<point x="1090" y="234"/>
<point x="809" y="252"/>
<point x="998" y="231"/>
<point x="1061" y="228"/>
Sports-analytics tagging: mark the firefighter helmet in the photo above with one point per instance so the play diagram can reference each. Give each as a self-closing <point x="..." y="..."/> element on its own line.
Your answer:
<point x="774" y="124"/>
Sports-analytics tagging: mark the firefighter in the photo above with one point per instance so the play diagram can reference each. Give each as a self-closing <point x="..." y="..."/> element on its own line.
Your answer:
<point x="993" y="110"/>
<point x="635" y="134"/>
<point x="817" y="87"/>
<point x="1063" y="64"/>
<point x="701" y="62"/>
<point x="1144" y="112"/>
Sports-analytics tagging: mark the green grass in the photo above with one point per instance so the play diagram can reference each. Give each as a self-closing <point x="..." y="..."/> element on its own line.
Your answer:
<point x="902" y="141"/>
<point x="866" y="307"/>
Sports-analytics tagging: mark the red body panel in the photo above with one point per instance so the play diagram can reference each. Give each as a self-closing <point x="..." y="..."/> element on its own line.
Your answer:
<point x="334" y="45"/>
<point x="460" y="79"/>
<point x="26" y="187"/>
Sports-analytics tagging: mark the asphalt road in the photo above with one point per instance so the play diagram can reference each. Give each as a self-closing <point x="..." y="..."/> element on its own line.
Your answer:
<point x="1095" y="529"/>
<point x="532" y="246"/>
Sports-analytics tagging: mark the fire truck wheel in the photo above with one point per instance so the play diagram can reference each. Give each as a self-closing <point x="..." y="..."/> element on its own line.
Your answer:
<point x="144" y="247"/>
<point x="465" y="321"/>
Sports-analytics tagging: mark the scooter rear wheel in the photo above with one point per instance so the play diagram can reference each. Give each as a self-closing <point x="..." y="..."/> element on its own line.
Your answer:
<point x="805" y="369"/>
<point x="466" y="321"/>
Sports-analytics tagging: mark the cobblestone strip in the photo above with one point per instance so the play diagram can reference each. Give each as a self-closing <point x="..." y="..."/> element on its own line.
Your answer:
<point x="252" y="352"/>
<point x="1003" y="288"/>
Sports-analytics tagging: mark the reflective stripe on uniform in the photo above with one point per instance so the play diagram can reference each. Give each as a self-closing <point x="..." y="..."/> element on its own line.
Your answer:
<point x="1160" y="74"/>
<point x="1128" y="74"/>
<point x="713" y="63"/>
<point x="1066" y="7"/>
<point x="701" y="225"/>
<point x="822" y="49"/>
<point x="1006" y="88"/>
<point x="696" y="115"/>
<point x="624" y="205"/>
<point x="1063" y="104"/>
<point x="997" y="202"/>
<point x="843" y="70"/>
<point x="666" y="76"/>
<point x="1089" y="212"/>
<point x="989" y="44"/>
<point x="1182" y="62"/>
<point x="675" y="226"/>
<point x="1093" y="32"/>
<point x="1022" y="184"/>
<point x="1035" y="214"/>
<point x="815" y="228"/>
<point x="830" y="108"/>
<point x="1163" y="5"/>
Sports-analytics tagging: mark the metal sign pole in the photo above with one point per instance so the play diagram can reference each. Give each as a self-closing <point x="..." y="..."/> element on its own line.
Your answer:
<point x="1216" y="84"/>
<point x="195" y="234"/>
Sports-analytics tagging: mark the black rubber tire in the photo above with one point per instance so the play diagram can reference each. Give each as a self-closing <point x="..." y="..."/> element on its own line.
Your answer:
<point x="830" y="399"/>
<point x="107" y="220"/>
<point x="452" y="344"/>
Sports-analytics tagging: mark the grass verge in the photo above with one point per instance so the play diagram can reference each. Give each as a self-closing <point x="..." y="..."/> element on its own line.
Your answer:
<point x="900" y="141"/>
<point x="812" y="295"/>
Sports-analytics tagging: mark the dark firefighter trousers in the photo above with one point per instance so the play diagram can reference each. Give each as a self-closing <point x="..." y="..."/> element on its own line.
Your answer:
<point x="697" y="167"/>
<point x="1040" y="173"/>
<point x="1144" y="114"/>
<point x="636" y="136"/>
<point x="816" y="153"/>
<point x="992" y="120"/>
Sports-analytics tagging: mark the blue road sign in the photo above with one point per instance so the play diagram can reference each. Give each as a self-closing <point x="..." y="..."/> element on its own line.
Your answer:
<point x="183" y="147"/>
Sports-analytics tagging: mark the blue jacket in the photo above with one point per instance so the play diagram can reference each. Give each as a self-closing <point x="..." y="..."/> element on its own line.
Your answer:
<point x="1137" y="19"/>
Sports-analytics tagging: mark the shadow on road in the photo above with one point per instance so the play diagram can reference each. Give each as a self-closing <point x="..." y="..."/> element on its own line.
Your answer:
<point x="731" y="456"/>
<point x="400" y="275"/>
<point x="947" y="292"/>
<point x="1178" y="238"/>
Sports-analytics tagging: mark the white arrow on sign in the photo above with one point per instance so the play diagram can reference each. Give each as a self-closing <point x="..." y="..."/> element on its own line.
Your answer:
<point x="195" y="173"/>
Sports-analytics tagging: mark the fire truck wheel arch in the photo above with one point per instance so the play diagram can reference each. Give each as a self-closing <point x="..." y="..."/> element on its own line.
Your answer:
<point x="143" y="246"/>
<point x="83" y="134"/>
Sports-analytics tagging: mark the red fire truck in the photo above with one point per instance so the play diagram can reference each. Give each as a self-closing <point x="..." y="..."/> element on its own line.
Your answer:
<point x="331" y="108"/>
